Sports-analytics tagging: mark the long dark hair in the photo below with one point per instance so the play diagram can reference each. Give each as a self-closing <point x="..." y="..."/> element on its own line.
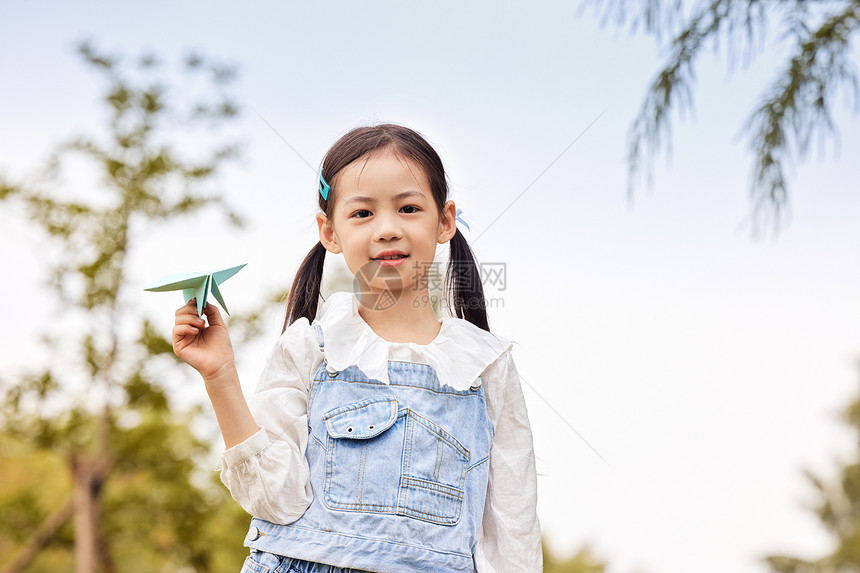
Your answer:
<point x="462" y="286"/>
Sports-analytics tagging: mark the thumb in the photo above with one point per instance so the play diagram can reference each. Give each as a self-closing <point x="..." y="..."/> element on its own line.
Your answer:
<point x="213" y="315"/>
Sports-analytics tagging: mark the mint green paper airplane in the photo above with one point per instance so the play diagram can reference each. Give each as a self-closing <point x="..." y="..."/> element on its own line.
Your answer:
<point x="196" y="285"/>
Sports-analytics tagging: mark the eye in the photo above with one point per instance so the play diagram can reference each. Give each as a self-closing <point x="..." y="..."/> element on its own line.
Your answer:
<point x="355" y="215"/>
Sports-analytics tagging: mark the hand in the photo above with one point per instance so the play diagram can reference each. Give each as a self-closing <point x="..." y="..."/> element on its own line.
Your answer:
<point x="206" y="349"/>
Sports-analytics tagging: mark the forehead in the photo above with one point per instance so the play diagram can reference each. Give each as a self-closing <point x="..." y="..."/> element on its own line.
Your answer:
<point x="380" y="174"/>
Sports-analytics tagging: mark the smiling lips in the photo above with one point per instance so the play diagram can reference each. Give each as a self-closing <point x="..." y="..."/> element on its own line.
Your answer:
<point x="390" y="254"/>
<point x="390" y="258"/>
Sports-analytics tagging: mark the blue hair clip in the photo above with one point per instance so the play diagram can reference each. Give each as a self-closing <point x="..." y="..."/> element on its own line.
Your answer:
<point x="461" y="220"/>
<point x="324" y="187"/>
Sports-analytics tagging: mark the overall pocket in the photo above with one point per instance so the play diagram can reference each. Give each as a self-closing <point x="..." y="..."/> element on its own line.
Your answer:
<point x="386" y="459"/>
<point x="364" y="456"/>
<point x="433" y="481"/>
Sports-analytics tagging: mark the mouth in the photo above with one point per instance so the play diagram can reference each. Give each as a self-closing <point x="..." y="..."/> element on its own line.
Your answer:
<point x="391" y="258"/>
<point x="391" y="255"/>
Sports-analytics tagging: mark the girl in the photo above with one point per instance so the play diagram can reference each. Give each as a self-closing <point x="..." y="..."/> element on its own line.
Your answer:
<point x="378" y="438"/>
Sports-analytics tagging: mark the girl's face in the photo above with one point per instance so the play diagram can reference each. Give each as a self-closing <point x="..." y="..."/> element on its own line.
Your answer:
<point x="384" y="203"/>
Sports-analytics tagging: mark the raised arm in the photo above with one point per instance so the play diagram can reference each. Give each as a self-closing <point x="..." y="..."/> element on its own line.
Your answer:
<point x="208" y="350"/>
<point x="268" y="473"/>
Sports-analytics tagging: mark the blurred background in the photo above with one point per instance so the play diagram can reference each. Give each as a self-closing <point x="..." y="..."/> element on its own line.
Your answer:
<point x="688" y="347"/>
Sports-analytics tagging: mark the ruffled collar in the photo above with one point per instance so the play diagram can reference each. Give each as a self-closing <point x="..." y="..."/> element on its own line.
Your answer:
<point x="459" y="353"/>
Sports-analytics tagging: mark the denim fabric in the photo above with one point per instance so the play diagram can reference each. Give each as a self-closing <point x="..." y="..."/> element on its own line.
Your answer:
<point x="264" y="562"/>
<point x="399" y="474"/>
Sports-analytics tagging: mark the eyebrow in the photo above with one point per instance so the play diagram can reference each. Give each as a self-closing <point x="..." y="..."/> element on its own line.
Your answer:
<point x="363" y="199"/>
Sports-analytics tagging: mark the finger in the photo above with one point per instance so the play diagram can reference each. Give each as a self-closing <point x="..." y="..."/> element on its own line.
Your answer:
<point x="182" y="330"/>
<point x="189" y="308"/>
<point x="190" y="318"/>
<point x="213" y="315"/>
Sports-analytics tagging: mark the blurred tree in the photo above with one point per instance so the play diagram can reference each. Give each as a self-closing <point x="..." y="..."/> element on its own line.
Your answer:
<point x="797" y="105"/>
<point x="89" y="436"/>
<point x="838" y="512"/>
<point x="584" y="561"/>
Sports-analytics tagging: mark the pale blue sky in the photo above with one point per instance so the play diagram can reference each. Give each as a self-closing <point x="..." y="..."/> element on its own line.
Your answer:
<point x="705" y="366"/>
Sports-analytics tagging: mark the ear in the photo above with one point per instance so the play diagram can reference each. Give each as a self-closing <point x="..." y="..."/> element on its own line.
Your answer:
<point x="448" y="223"/>
<point x="327" y="235"/>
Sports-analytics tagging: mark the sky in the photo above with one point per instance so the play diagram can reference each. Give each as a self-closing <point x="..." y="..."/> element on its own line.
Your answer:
<point x="680" y="374"/>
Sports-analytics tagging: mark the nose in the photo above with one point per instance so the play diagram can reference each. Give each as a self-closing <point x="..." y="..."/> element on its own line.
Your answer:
<point x="387" y="227"/>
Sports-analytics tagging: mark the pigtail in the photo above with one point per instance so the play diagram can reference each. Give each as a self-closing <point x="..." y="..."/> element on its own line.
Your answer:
<point x="463" y="288"/>
<point x="304" y="295"/>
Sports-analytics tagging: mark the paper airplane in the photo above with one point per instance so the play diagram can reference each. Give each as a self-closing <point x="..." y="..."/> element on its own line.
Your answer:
<point x="196" y="285"/>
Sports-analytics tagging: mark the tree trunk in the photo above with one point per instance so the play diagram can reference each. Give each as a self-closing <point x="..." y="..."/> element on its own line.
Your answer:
<point x="85" y="513"/>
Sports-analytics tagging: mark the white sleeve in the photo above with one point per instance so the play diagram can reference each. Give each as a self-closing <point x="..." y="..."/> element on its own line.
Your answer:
<point x="268" y="473"/>
<point x="510" y="532"/>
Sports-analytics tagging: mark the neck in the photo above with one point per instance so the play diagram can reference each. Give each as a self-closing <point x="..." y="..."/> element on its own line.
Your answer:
<point x="400" y="316"/>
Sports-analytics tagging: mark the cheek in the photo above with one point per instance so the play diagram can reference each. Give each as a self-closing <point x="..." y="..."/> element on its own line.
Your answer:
<point x="354" y="247"/>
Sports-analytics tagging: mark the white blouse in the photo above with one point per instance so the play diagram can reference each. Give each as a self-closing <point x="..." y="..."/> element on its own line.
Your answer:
<point x="268" y="473"/>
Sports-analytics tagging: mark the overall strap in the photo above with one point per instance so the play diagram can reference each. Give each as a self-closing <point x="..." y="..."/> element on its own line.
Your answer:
<point x="320" y="338"/>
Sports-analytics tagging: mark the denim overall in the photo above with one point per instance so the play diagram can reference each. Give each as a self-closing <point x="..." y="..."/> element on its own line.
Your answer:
<point x="399" y="475"/>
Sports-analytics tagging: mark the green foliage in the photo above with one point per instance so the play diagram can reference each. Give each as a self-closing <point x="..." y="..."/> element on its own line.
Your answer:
<point x="96" y="411"/>
<point x="839" y="513"/>
<point x="797" y="105"/>
<point x="155" y="520"/>
<point x="584" y="561"/>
